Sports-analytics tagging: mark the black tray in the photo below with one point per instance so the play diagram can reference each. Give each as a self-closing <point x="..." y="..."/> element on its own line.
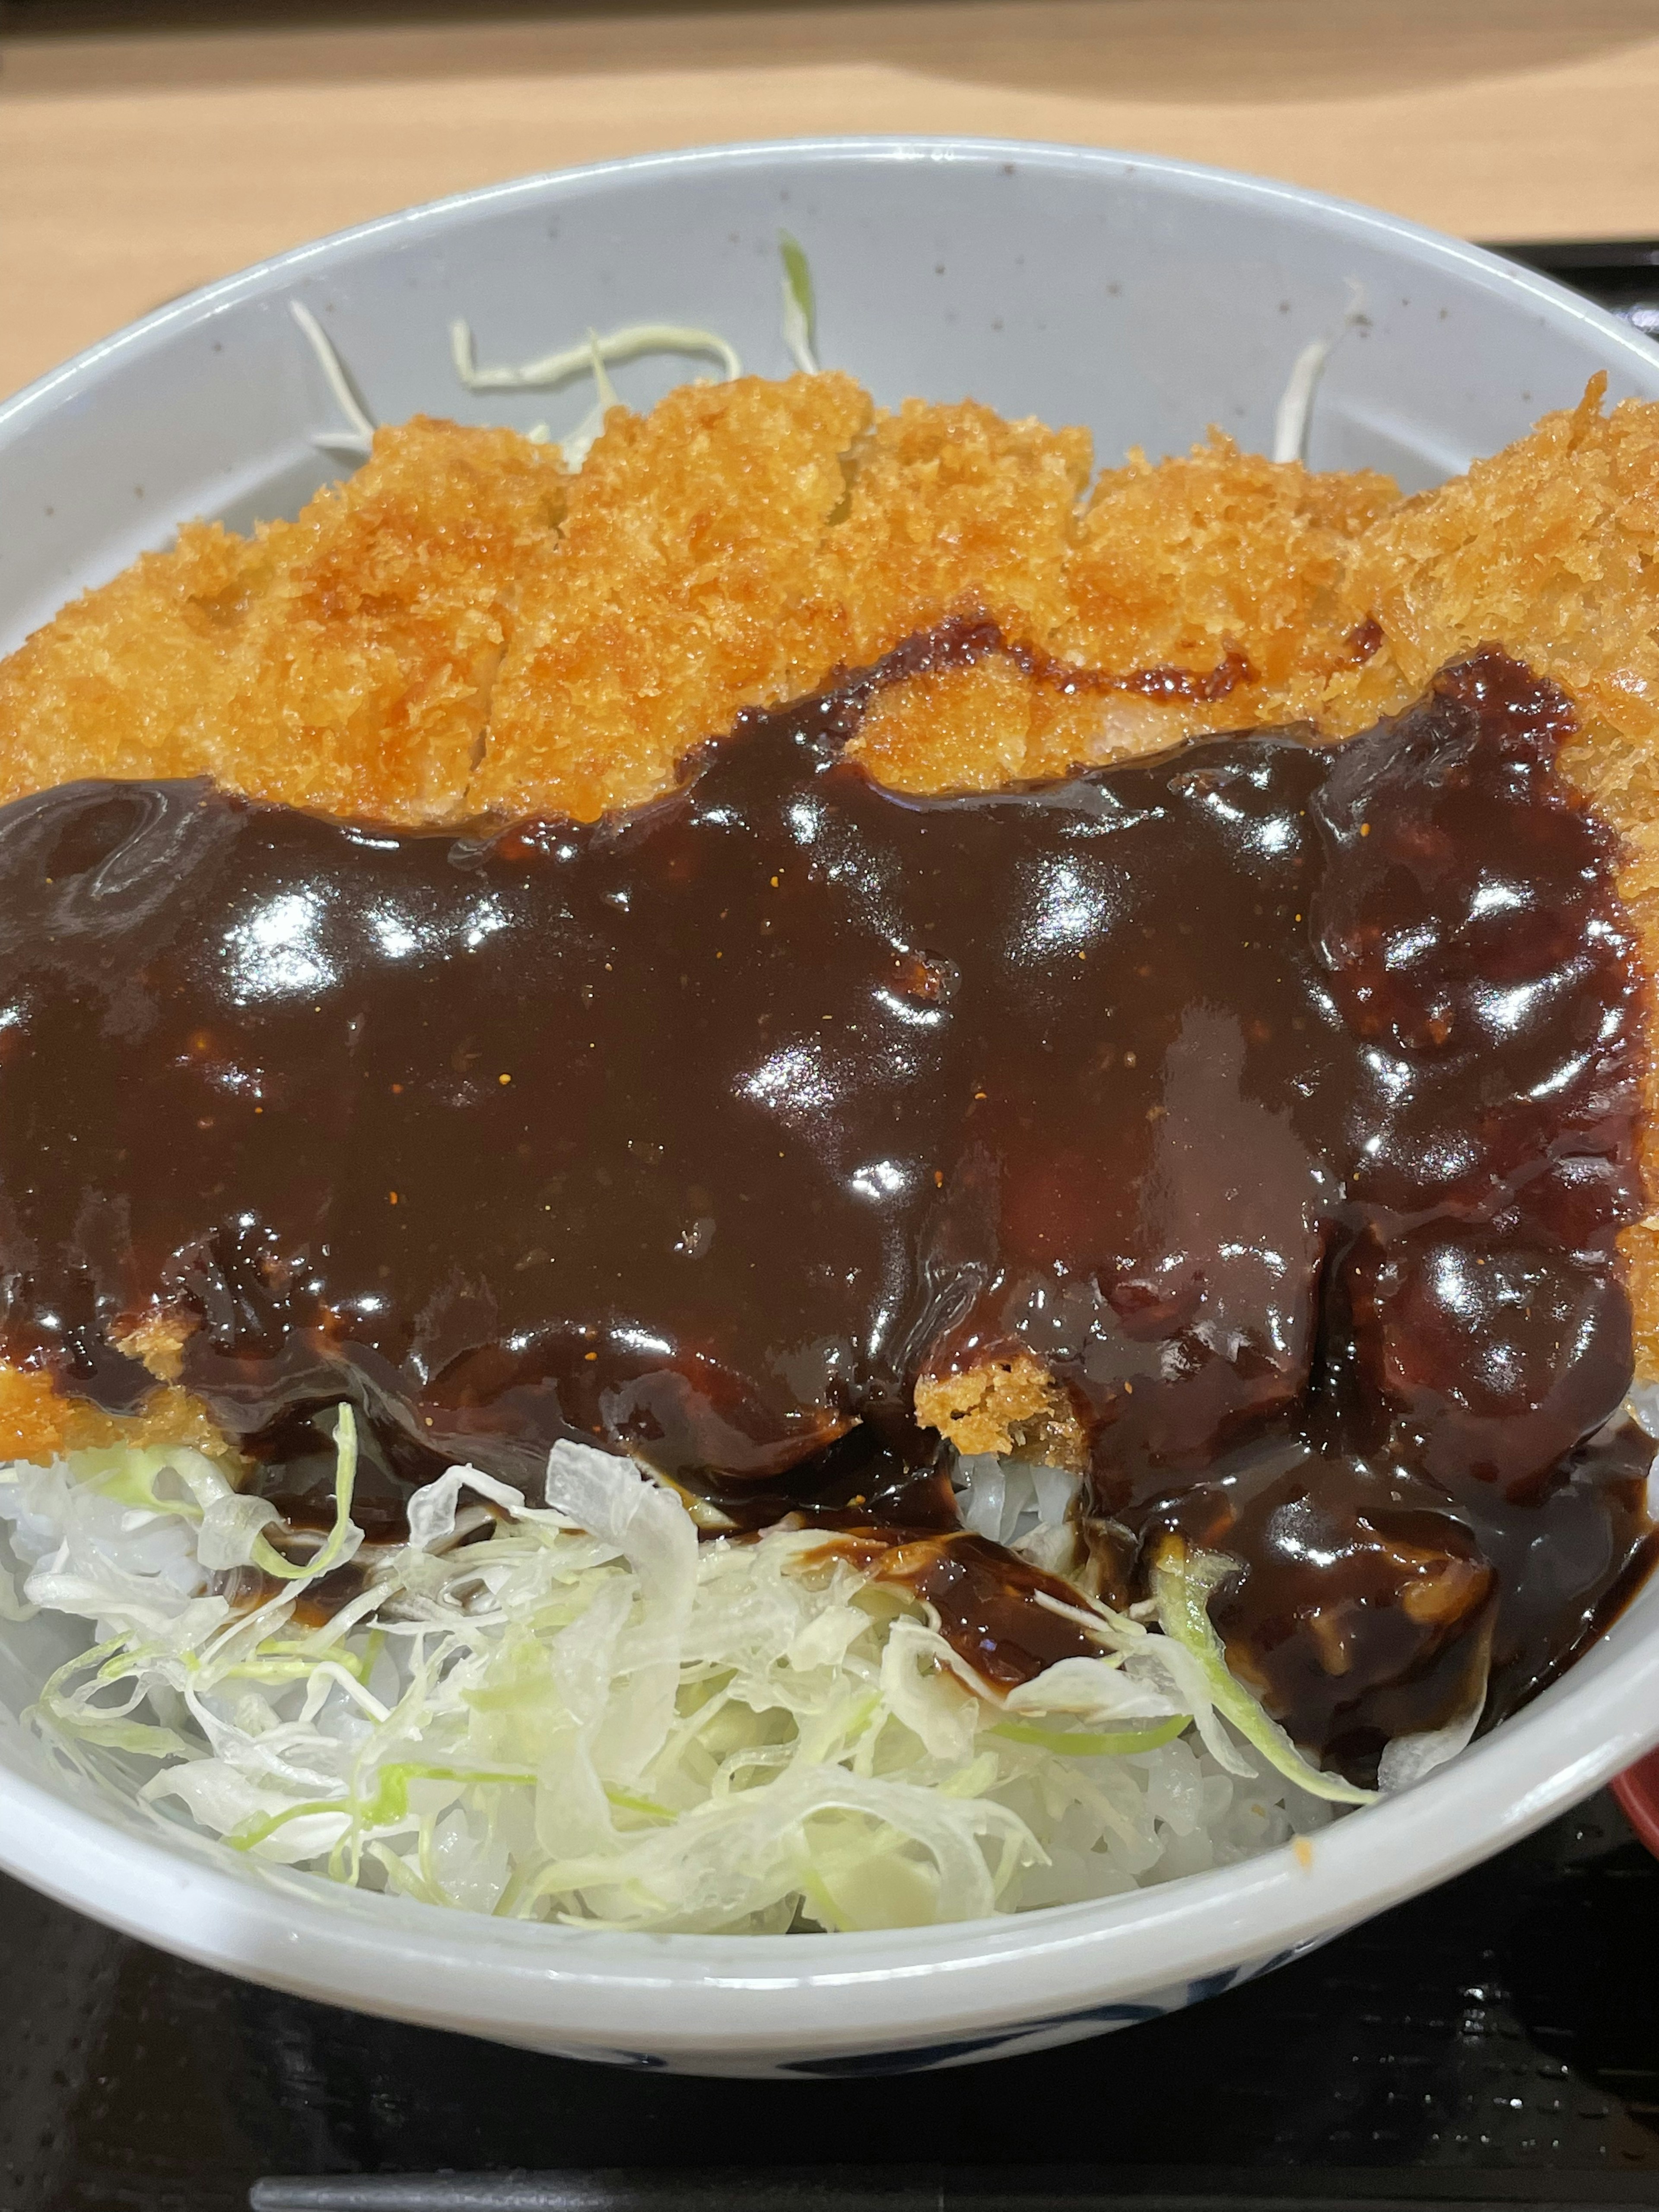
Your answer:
<point x="1620" y="273"/>
<point x="1495" y="2042"/>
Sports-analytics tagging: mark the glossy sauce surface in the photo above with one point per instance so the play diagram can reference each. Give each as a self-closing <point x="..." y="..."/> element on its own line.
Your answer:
<point x="1282" y="1099"/>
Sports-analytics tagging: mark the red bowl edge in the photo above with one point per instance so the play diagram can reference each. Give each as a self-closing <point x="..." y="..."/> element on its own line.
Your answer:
<point x="1637" y="1791"/>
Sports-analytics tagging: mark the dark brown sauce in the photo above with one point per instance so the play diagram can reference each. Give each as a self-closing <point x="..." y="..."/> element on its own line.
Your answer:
<point x="964" y="639"/>
<point x="1283" y="1099"/>
<point x="990" y="1606"/>
<point x="990" y="1602"/>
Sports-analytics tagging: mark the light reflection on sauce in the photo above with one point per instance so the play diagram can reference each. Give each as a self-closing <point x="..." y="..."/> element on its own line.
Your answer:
<point x="1282" y="1099"/>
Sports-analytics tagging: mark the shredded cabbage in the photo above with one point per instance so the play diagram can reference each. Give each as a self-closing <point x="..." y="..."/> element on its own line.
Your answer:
<point x="579" y="1711"/>
<point x="799" y="305"/>
<point x="358" y="440"/>
<point x="589" y="357"/>
<point x="1408" y="1759"/>
<point x="1293" y="416"/>
<point x="1183" y="1580"/>
<point x="577" y="447"/>
<point x="571" y="361"/>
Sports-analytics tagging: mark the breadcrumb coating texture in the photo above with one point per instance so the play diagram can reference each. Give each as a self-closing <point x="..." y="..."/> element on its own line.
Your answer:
<point x="124" y="681"/>
<point x="1176" y="566"/>
<point x="950" y="510"/>
<point x="665" y="606"/>
<point x="739" y="543"/>
<point x="363" y="670"/>
<point x="1217" y="550"/>
<point x="1011" y="1405"/>
<point x="38" y="1423"/>
<point x="342" y="661"/>
<point x="1547" y="547"/>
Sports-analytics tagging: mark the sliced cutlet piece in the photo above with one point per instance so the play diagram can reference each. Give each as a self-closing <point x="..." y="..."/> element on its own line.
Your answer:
<point x="128" y="679"/>
<point x="1219" y="565"/>
<point x="362" y="672"/>
<point x="663" y="610"/>
<point x="951" y="511"/>
<point x="1551" y="549"/>
<point x="342" y="661"/>
<point x="1177" y="564"/>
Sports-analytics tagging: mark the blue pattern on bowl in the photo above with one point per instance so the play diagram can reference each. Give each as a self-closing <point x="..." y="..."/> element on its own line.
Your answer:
<point x="1002" y="2043"/>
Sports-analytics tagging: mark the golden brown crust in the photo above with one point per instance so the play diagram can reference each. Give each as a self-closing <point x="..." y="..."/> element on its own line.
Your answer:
<point x="950" y="510"/>
<point x="158" y="1339"/>
<point x="1216" y="549"/>
<point x="1011" y="1405"/>
<point x="665" y="607"/>
<point x="1176" y="566"/>
<point x="342" y="661"/>
<point x="363" y="676"/>
<point x="1548" y="548"/>
<point x="37" y="1423"/>
<point x="122" y="682"/>
<point x="34" y="1418"/>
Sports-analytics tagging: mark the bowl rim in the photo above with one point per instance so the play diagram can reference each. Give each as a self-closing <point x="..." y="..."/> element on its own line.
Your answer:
<point x="709" y="1993"/>
<point x="273" y="271"/>
<point x="714" y="1993"/>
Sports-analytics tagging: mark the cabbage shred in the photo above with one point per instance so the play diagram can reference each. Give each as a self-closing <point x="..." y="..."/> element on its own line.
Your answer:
<point x="580" y="1711"/>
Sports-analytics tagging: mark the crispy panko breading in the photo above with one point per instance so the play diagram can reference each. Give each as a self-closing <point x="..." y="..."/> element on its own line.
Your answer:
<point x="1216" y="551"/>
<point x="464" y="629"/>
<point x="342" y="661"/>
<point x="1548" y="548"/>
<point x="950" y="510"/>
<point x="366" y="658"/>
<point x="1009" y="1406"/>
<point x="1177" y="566"/>
<point x="124" y="681"/>
<point x="37" y="1423"/>
<point x="665" y="607"/>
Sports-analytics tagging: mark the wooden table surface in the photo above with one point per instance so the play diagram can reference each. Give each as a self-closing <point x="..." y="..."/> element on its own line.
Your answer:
<point x="136" y="165"/>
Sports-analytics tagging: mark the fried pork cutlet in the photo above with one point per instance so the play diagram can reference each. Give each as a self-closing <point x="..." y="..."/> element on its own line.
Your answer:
<point x="663" y="608"/>
<point x="463" y="629"/>
<point x="1217" y="564"/>
<point x="343" y="661"/>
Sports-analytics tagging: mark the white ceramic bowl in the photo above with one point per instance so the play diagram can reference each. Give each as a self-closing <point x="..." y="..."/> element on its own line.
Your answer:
<point x="1145" y="298"/>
